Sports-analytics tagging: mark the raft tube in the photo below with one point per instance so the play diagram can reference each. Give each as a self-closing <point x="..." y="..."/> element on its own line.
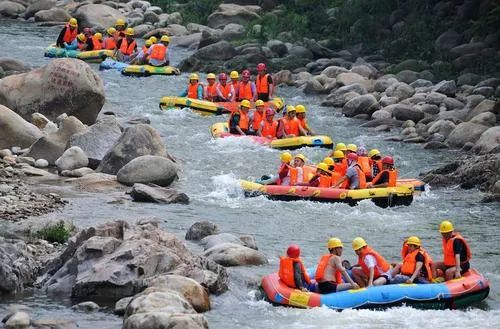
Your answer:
<point x="382" y="196"/>
<point x="463" y="292"/>
<point x="202" y="106"/>
<point x="148" y="70"/>
<point x="94" y="56"/>
<point x="112" y="64"/>
<point x="221" y="130"/>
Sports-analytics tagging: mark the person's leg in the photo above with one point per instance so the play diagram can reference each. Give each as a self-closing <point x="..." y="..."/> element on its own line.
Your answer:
<point x="359" y="277"/>
<point x="435" y="266"/>
<point x="381" y="280"/>
<point x="344" y="286"/>
<point x="449" y="274"/>
<point x="327" y="287"/>
<point x="399" y="278"/>
<point x="396" y="270"/>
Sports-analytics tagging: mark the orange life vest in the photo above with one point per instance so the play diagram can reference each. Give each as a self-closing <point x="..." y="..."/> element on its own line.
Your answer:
<point x="225" y="90"/>
<point x="393" y="176"/>
<point x="159" y="52"/>
<point x="303" y="123"/>
<point x="193" y="90"/>
<point x="341" y="167"/>
<point x="70" y="35"/>
<point x="82" y="44"/>
<point x="308" y="172"/>
<point x="243" y="123"/>
<point x="109" y="43"/>
<point x="381" y="262"/>
<point x="270" y="130"/>
<point x="286" y="272"/>
<point x="320" y="270"/>
<point x="127" y="49"/>
<point x="409" y="263"/>
<point x="364" y="163"/>
<point x="211" y="92"/>
<point x="361" y="177"/>
<point x="449" y="254"/>
<point x="262" y="84"/>
<point x="291" y="127"/>
<point x="325" y="181"/>
<point x="236" y="86"/>
<point x="336" y="177"/>
<point x="96" y="43"/>
<point x="245" y="91"/>
<point x="257" y="119"/>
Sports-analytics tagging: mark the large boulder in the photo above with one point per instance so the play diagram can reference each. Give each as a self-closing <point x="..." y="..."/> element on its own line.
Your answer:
<point x="11" y="9"/>
<point x="72" y="158"/>
<point x="405" y="112"/>
<point x="449" y="88"/>
<point x="157" y="194"/>
<point x="486" y="119"/>
<point x="64" y="85"/>
<point x="231" y="254"/>
<point x="18" y="268"/>
<point x="363" y="104"/>
<point x="233" y="31"/>
<point x="38" y="5"/>
<point x="448" y="40"/>
<point x="136" y="141"/>
<point x="489" y="141"/>
<point x="486" y="105"/>
<point x="232" y="13"/>
<point x="15" y="131"/>
<point x="221" y="50"/>
<point x="159" y="301"/>
<point x="148" y="169"/>
<point x="211" y="241"/>
<point x="199" y="230"/>
<point x="442" y="127"/>
<point x="52" y="15"/>
<point x="400" y="90"/>
<point x="161" y="320"/>
<point x="333" y="71"/>
<point x="465" y="132"/>
<point x="98" y="139"/>
<point x="97" y="16"/>
<point x="345" y="79"/>
<point x="19" y="320"/>
<point x="13" y="66"/>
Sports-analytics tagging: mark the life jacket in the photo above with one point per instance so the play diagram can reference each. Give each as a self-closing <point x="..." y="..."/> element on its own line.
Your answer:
<point x="361" y="177"/>
<point x="449" y="254"/>
<point x="262" y="84"/>
<point x="192" y="90"/>
<point x="393" y="176"/>
<point x="409" y="263"/>
<point x="291" y="127"/>
<point x="211" y="92"/>
<point x="286" y="272"/>
<point x="285" y="180"/>
<point x="303" y="123"/>
<point x="364" y="164"/>
<point x="270" y="130"/>
<point x="245" y="91"/>
<point x="325" y="181"/>
<point x="97" y="45"/>
<point x="244" y="122"/>
<point x="308" y="172"/>
<point x="381" y="262"/>
<point x="341" y="167"/>
<point x="322" y="265"/>
<point x="82" y="44"/>
<point x="295" y="173"/>
<point x="109" y="43"/>
<point x="378" y="165"/>
<point x="336" y="177"/>
<point x="236" y="88"/>
<point x="69" y="35"/>
<point x="127" y="49"/>
<point x="158" y="52"/>
<point x="257" y="119"/>
<point x="225" y="90"/>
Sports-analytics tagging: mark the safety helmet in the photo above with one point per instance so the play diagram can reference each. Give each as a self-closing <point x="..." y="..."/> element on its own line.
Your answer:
<point x="301" y="157"/>
<point x="373" y="153"/>
<point x="323" y="166"/>
<point x="165" y="38"/>
<point x="246" y="74"/>
<point x="300" y="109"/>
<point x="334" y="243"/>
<point x="148" y="43"/>
<point x="245" y="103"/>
<point x="293" y="251"/>
<point x="81" y="37"/>
<point x="414" y="240"/>
<point x="98" y="36"/>
<point x="352" y="147"/>
<point x="222" y="76"/>
<point x="234" y="75"/>
<point x="194" y="76"/>
<point x="278" y="102"/>
<point x="388" y="160"/>
<point x="259" y="103"/>
<point x="261" y="67"/>
<point x="358" y="243"/>
<point x="269" y="112"/>
<point x="290" y="108"/>
<point x="328" y="161"/>
<point x="120" y="22"/>
<point x="210" y="76"/>
<point x="153" y="39"/>
<point x="340" y="147"/>
<point x="338" y="154"/>
<point x="286" y="157"/>
<point x="446" y="226"/>
<point x="111" y="31"/>
<point x="73" y="22"/>
<point x="352" y="156"/>
<point x="129" y="31"/>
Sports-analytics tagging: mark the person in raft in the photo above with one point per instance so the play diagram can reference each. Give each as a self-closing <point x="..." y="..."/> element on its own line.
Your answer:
<point x="268" y="127"/>
<point x="416" y="266"/>
<point x="246" y="88"/>
<point x="372" y="269"/>
<point x="330" y="270"/>
<point x="283" y="171"/>
<point x="126" y="47"/>
<point x="68" y="34"/>
<point x="354" y="175"/>
<point x="322" y="178"/>
<point x="456" y="253"/>
<point x="301" y="116"/>
<point x="238" y="120"/>
<point x="264" y="83"/>
<point x="120" y="26"/>
<point x="256" y="117"/>
<point x="224" y="90"/>
<point x="290" y="125"/>
<point x="158" y="54"/>
<point x="387" y="177"/>
<point x="292" y="271"/>
<point x="194" y="88"/>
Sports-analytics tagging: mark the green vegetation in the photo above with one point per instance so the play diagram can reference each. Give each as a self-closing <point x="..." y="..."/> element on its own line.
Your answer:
<point x="193" y="11"/>
<point x="55" y="233"/>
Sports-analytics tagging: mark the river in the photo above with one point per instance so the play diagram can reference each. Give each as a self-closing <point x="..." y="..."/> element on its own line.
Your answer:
<point x="209" y="176"/>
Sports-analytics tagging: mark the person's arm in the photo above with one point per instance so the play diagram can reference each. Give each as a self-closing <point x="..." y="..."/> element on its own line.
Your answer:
<point x="219" y="93"/>
<point x="370" y="263"/>
<point x="457" y="250"/>
<point x="313" y="182"/>
<point x="337" y="263"/>
<point x="261" y="126"/>
<point x="200" y="92"/>
<point x="302" y="131"/>
<point x="341" y="181"/>
<point x="254" y="91"/>
<point x="184" y="93"/>
<point x="384" y="177"/>
<point x="90" y="44"/>
<point x="60" y="41"/>
<point x="271" y="85"/>
<point x="297" y="276"/>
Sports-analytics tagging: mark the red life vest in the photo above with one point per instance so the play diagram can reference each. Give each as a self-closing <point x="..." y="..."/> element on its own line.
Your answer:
<point x="322" y="265"/>
<point x="211" y="92"/>
<point x="96" y="43"/>
<point x="245" y="91"/>
<point x="393" y="177"/>
<point x="262" y="84"/>
<point x="193" y="90"/>
<point x="109" y="43"/>
<point x="127" y="49"/>
<point x="291" y="127"/>
<point x="286" y="272"/>
<point x="449" y="254"/>
<point x="70" y="35"/>
<point x="409" y="263"/>
<point x="270" y="130"/>
<point x="225" y="90"/>
<point x="158" y="52"/>
<point x="257" y="119"/>
<point x="243" y="123"/>
<point x="381" y="262"/>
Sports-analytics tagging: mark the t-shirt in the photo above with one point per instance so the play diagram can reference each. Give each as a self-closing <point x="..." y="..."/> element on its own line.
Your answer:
<point x="371" y="262"/>
<point x="459" y="248"/>
<point x="384" y="178"/>
<point x="352" y="175"/>
<point x="235" y="121"/>
<point x="421" y="258"/>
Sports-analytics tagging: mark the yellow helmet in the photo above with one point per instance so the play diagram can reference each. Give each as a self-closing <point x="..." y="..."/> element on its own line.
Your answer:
<point x="259" y="103"/>
<point x="81" y="37"/>
<point x="211" y="76"/>
<point x="323" y="166"/>
<point x="148" y="43"/>
<point x="290" y="108"/>
<point x="234" y="75"/>
<point x="338" y="154"/>
<point x="73" y="22"/>
<point x="446" y="226"/>
<point x="111" y="30"/>
<point x="98" y="36"/>
<point x="358" y="243"/>
<point x="300" y="109"/>
<point x="301" y="157"/>
<point x="165" y="38"/>
<point x="414" y="240"/>
<point x="120" y="22"/>
<point x="244" y="103"/>
<point x="334" y="243"/>
<point x="328" y="161"/>
<point x="278" y="102"/>
<point x="153" y="39"/>
<point x="194" y="76"/>
<point x="129" y="31"/>
<point x="340" y="147"/>
<point x="351" y="147"/>
<point x="286" y="157"/>
<point x="373" y="153"/>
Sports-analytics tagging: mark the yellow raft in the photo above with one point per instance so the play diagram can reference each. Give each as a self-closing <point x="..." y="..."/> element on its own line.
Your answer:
<point x="148" y="70"/>
<point x="202" y="106"/>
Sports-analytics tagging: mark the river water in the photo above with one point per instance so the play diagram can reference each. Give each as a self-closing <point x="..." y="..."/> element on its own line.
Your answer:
<point x="209" y="176"/>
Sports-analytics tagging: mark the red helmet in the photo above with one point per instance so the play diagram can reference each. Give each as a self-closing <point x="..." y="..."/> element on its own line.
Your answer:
<point x="388" y="160"/>
<point x="222" y="76"/>
<point x="352" y="156"/>
<point x="261" y="67"/>
<point x="269" y="112"/>
<point x="293" y="251"/>
<point x="246" y="74"/>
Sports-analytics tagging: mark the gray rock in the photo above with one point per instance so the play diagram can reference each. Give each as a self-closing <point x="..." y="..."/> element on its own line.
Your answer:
<point x="151" y="17"/>
<point x="283" y="77"/>
<point x="97" y="16"/>
<point x="381" y="114"/>
<point x="19" y="320"/>
<point x="300" y="51"/>
<point x="277" y="47"/>
<point x="199" y="230"/>
<point x="158" y="320"/>
<point x="312" y="86"/>
<point x="442" y="127"/>
<point x="435" y="145"/>
<point x="427" y="108"/>
<point x="465" y="132"/>
<point x="484" y="106"/>
<point x="213" y="240"/>
<point x="18" y="268"/>
<point x="488" y="142"/>
<point x="419" y="83"/>
<point x="486" y="119"/>
<point x="11" y="9"/>
<point x="415" y="139"/>
<point x="72" y="158"/>
<point x="448" y="40"/>
<point x="148" y="169"/>
<point x="233" y="13"/>
<point x="121" y="305"/>
<point x="15" y="131"/>
<point x="408" y="123"/>
<point x="221" y="50"/>
<point x="333" y="71"/>
<point x="87" y="307"/>
<point x="453" y="104"/>
<point x="468" y="48"/>
<point x="13" y="66"/>
<point x="448" y="88"/>
<point x="386" y="101"/>
<point x="491" y="82"/>
<point x="230" y="254"/>
<point x="485" y="91"/>
<point x="345" y="79"/>
<point x="468" y="79"/>
<point x="405" y="112"/>
<point x="383" y="83"/>
<point x="156" y="194"/>
<point x="80" y="172"/>
<point x="52" y="15"/>
<point x="161" y="301"/>
<point x="435" y="98"/>
<point x="400" y="90"/>
<point x="407" y="76"/>
<point x="53" y="324"/>
<point x="249" y="241"/>
<point x="339" y="100"/>
<point x="36" y="6"/>
<point x="233" y="31"/>
<point x="363" y="104"/>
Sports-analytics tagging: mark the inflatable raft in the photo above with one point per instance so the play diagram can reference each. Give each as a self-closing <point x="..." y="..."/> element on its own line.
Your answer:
<point x="138" y="70"/>
<point x="202" y="106"/>
<point x="221" y="130"/>
<point x="94" y="56"/>
<point x="458" y="293"/>
<point x="382" y="196"/>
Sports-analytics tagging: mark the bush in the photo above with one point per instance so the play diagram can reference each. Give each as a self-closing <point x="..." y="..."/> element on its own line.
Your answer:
<point x="55" y="233"/>
<point x="191" y="11"/>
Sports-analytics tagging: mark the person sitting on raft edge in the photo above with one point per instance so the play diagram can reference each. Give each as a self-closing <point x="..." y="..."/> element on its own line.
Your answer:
<point x="194" y="89"/>
<point x="292" y="271"/>
<point x="238" y="120"/>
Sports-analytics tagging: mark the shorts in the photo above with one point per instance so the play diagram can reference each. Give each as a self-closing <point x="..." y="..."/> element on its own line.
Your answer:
<point x="465" y="267"/>
<point x="327" y="287"/>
